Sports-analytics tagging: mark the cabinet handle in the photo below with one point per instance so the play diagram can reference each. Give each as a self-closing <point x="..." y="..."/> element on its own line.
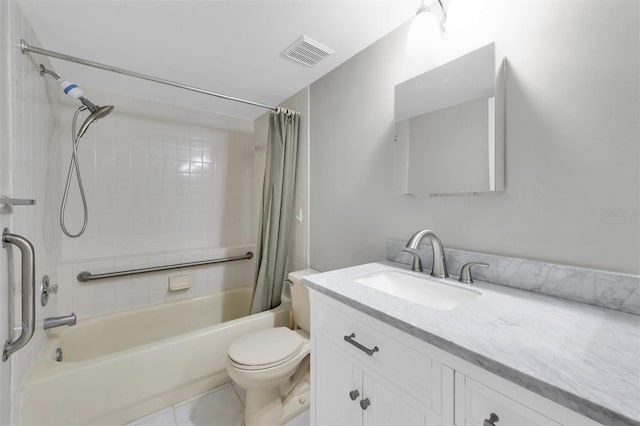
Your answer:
<point x="354" y="394"/>
<point x="491" y="421"/>
<point x="364" y="403"/>
<point x="351" y="339"/>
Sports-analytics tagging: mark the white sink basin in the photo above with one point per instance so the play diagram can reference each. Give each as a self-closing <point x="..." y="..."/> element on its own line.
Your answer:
<point x="423" y="291"/>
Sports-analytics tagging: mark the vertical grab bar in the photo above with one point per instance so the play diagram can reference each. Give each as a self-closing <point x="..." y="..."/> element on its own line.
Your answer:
<point x="28" y="284"/>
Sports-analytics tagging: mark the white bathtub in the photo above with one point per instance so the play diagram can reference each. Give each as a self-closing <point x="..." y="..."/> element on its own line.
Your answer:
<point x="120" y="367"/>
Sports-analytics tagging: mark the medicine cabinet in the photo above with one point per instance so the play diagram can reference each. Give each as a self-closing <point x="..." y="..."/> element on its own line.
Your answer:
<point x="450" y="127"/>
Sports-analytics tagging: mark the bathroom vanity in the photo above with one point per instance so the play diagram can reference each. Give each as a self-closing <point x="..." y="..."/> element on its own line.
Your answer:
<point x="505" y="357"/>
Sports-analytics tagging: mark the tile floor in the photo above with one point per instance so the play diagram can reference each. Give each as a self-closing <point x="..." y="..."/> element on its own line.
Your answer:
<point x="223" y="406"/>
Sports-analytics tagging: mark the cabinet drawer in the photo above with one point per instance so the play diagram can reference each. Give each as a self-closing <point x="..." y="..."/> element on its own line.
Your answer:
<point x="415" y="373"/>
<point x="476" y="402"/>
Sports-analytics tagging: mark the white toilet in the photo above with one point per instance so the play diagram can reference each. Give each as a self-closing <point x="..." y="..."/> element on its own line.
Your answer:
<point x="273" y="364"/>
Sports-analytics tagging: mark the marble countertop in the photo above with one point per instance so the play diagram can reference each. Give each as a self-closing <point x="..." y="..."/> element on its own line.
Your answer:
<point x="580" y="356"/>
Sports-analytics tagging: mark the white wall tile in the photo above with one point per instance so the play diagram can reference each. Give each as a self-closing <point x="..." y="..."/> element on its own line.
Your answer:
<point x="5" y="175"/>
<point x="158" y="191"/>
<point x="28" y="124"/>
<point x="160" y="187"/>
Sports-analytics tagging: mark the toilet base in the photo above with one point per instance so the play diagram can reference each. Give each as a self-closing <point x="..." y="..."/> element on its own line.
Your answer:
<point x="267" y="406"/>
<point x="264" y="410"/>
<point x="297" y="401"/>
<point x="263" y="407"/>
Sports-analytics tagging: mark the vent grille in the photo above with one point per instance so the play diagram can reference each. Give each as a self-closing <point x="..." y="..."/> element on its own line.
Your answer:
<point x="307" y="51"/>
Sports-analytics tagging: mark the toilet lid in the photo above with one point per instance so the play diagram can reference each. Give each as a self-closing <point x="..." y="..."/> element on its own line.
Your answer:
<point x="264" y="347"/>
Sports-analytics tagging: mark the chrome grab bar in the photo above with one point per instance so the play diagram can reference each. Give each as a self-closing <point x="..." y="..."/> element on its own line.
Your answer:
<point x="85" y="276"/>
<point x="28" y="284"/>
<point x="6" y="201"/>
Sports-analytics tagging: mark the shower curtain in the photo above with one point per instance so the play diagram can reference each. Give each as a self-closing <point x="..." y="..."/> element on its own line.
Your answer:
<point x="277" y="209"/>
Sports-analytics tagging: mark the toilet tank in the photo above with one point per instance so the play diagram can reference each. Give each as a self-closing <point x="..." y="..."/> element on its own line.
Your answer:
<point x="300" y="299"/>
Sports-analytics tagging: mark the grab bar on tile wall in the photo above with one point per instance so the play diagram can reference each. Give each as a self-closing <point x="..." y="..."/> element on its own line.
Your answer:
<point x="28" y="284"/>
<point x="85" y="276"/>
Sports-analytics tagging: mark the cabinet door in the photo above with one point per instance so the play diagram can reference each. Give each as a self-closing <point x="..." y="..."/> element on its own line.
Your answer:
<point x="338" y="387"/>
<point x="389" y="406"/>
<point x="475" y="402"/>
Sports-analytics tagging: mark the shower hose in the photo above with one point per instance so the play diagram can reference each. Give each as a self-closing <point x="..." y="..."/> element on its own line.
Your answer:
<point x="74" y="165"/>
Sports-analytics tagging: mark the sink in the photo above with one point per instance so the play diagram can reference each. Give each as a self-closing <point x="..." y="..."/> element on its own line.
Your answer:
<point x="423" y="291"/>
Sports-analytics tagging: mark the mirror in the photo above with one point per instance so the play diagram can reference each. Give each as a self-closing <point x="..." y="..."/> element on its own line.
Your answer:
<point x="449" y="128"/>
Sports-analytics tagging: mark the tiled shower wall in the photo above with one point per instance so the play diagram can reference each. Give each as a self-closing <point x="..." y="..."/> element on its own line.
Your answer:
<point x="159" y="192"/>
<point x="154" y="186"/>
<point x="164" y="185"/>
<point x="28" y="164"/>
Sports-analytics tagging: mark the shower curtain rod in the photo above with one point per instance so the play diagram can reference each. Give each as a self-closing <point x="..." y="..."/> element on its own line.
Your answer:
<point x="26" y="47"/>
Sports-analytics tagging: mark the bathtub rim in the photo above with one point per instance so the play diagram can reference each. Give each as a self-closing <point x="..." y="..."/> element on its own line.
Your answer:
<point x="60" y="331"/>
<point x="45" y="367"/>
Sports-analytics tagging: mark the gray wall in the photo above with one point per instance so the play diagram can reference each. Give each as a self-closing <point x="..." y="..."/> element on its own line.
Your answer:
<point x="572" y="145"/>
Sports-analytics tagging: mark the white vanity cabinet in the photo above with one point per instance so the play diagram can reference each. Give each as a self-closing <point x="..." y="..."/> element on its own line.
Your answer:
<point x="367" y="375"/>
<point x="341" y="384"/>
<point x="478" y="394"/>
<point x="356" y="397"/>
<point x="365" y="372"/>
<point x="475" y="403"/>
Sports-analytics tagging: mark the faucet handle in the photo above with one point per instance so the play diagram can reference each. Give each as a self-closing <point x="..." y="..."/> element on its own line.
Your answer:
<point x="465" y="273"/>
<point x="417" y="262"/>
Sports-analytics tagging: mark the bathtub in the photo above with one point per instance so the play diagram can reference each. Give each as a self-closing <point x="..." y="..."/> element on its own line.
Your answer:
<point x="123" y="366"/>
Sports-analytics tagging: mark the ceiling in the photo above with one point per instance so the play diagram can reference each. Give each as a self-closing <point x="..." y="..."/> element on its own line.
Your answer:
<point x="230" y="47"/>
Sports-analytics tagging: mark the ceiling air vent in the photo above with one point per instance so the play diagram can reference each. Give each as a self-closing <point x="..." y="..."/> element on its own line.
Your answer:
<point x="307" y="51"/>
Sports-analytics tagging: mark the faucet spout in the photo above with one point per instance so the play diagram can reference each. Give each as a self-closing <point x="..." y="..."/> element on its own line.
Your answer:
<point x="60" y="321"/>
<point x="439" y="262"/>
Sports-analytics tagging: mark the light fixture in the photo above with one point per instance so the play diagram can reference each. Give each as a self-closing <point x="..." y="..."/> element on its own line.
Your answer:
<point x="425" y="26"/>
<point x="425" y="10"/>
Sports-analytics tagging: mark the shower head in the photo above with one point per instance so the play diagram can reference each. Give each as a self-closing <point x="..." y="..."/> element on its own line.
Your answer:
<point x="97" y="114"/>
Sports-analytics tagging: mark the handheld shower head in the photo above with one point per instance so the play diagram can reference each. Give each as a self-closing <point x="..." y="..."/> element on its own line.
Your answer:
<point x="100" y="111"/>
<point x="96" y="113"/>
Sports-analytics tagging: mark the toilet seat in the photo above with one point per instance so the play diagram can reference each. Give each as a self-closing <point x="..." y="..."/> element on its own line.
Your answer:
<point x="265" y="348"/>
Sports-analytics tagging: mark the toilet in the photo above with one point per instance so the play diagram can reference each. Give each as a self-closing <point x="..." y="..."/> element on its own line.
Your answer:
<point x="273" y="364"/>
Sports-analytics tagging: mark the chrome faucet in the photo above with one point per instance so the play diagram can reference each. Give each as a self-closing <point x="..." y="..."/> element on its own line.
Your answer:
<point x="60" y="321"/>
<point x="439" y="262"/>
